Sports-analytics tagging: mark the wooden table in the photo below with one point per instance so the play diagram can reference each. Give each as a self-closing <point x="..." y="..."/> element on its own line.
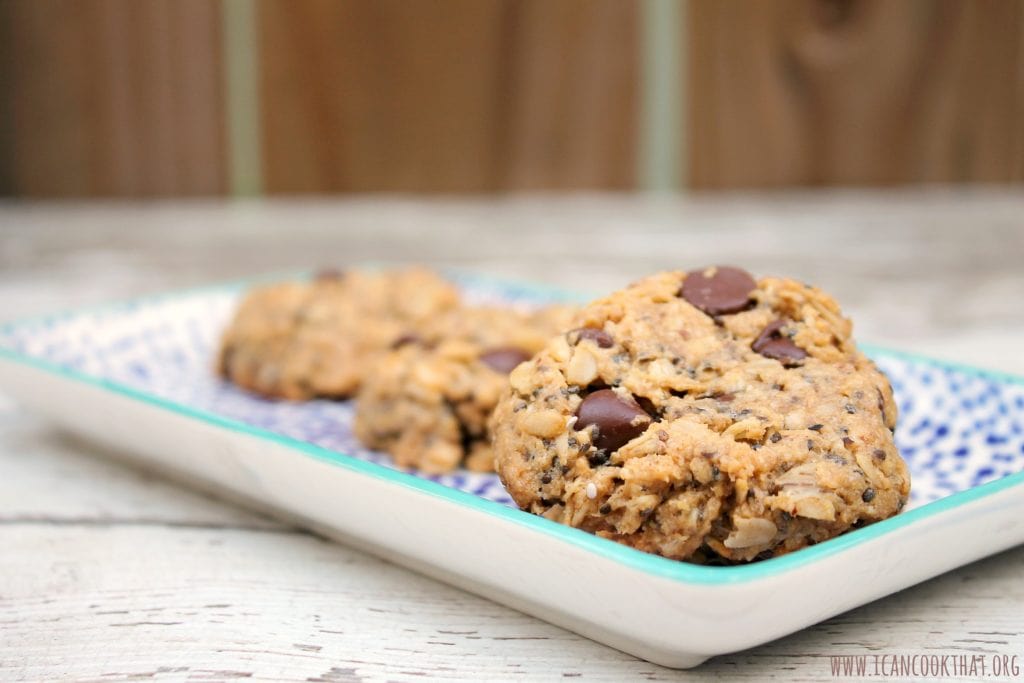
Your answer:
<point x="107" y="573"/>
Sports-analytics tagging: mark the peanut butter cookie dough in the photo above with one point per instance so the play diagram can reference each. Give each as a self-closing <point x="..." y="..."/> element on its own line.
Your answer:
<point x="704" y="416"/>
<point x="302" y="340"/>
<point x="427" y="402"/>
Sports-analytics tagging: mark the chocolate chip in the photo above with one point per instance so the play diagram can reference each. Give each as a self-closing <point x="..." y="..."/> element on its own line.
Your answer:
<point x="599" y="337"/>
<point x="605" y="509"/>
<point x="647" y="405"/>
<point x="718" y="290"/>
<point x="329" y="275"/>
<point x="816" y="427"/>
<point x="868" y="495"/>
<point x="847" y="441"/>
<point x="545" y="478"/>
<point x="776" y="437"/>
<point x="407" y="338"/>
<point x="618" y="420"/>
<point x="879" y="454"/>
<point x="504" y="360"/>
<point x="771" y="343"/>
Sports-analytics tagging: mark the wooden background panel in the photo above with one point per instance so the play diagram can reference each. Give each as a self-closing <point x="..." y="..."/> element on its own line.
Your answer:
<point x="570" y="95"/>
<point x="802" y="92"/>
<point x="111" y="97"/>
<point x="447" y="95"/>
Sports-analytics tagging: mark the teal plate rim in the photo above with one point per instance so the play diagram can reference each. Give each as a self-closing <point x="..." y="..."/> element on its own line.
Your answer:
<point x="625" y="555"/>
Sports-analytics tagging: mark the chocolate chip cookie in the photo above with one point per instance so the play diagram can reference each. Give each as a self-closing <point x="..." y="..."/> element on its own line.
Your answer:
<point x="302" y="340"/>
<point x="427" y="402"/>
<point x="704" y="416"/>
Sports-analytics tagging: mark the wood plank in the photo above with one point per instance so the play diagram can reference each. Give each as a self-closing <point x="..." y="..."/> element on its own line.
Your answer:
<point x="447" y="95"/>
<point x="857" y="92"/>
<point x="125" y="602"/>
<point x="111" y="97"/>
<point x="570" y="101"/>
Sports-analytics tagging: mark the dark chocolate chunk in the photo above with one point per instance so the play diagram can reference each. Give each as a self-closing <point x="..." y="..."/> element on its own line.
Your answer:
<point x="504" y="360"/>
<point x="868" y="495"/>
<point x="771" y="343"/>
<point x="599" y="337"/>
<point x="647" y="405"/>
<point x="618" y="420"/>
<point x="719" y="290"/>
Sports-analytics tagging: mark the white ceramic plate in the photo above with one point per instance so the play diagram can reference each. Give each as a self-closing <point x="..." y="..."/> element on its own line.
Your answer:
<point x="137" y="376"/>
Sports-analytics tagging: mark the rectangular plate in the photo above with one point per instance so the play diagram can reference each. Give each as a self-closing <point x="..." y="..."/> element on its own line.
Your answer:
<point x="138" y="376"/>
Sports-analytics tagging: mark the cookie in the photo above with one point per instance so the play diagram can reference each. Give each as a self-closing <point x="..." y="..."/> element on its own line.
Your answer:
<point x="427" y="402"/>
<point x="704" y="416"/>
<point x="302" y="340"/>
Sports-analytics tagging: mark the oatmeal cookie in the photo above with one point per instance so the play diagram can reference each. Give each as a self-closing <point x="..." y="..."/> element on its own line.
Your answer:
<point x="704" y="416"/>
<point x="302" y="340"/>
<point x="427" y="402"/>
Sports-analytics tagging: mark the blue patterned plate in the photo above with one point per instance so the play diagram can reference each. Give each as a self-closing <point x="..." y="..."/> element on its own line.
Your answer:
<point x="138" y="376"/>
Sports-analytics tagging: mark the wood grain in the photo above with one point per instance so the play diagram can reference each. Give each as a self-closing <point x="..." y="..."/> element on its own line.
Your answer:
<point x="111" y="97"/>
<point x="272" y="606"/>
<point x="835" y="92"/>
<point x="447" y="95"/>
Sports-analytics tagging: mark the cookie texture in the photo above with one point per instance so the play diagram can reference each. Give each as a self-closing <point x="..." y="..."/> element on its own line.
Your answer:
<point x="704" y="416"/>
<point x="428" y="401"/>
<point x="302" y="340"/>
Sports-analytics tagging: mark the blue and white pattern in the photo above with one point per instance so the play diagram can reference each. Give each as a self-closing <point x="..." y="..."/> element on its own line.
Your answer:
<point x="958" y="429"/>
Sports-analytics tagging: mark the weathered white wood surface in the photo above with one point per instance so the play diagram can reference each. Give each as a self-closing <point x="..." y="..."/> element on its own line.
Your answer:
<point x="107" y="573"/>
